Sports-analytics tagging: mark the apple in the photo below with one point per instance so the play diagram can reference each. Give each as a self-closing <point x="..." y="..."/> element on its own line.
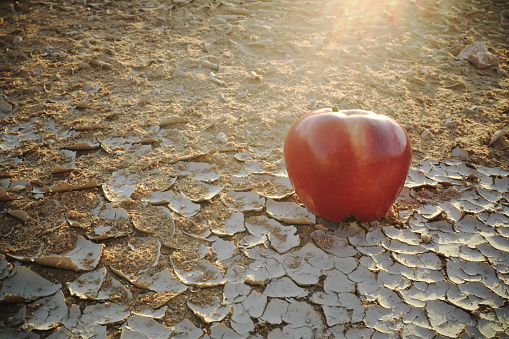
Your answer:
<point x="347" y="163"/>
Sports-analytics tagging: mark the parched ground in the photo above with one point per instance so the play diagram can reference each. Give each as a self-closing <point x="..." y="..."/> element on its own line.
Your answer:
<point x="142" y="187"/>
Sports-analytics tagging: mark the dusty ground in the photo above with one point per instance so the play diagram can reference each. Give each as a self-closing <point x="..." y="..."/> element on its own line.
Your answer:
<point x="135" y="86"/>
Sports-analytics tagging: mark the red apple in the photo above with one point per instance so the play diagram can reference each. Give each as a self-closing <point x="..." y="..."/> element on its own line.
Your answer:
<point x="347" y="163"/>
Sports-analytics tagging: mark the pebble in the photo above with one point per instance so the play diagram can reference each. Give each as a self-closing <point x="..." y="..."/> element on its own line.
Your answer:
<point x="427" y="135"/>
<point x="179" y="73"/>
<point x="504" y="18"/>
<point x="459" y="152"/>
<point x="84" y="65"/>
<point x="5" y="107"/>
<point x="472" y="110"/>
<point x="17" y="40"/>
<point x="83" y="104"/>
<point x="301" y="69"/>
<point x="450" y="123"/>
<point x="222" y="137"/>
<point x="478" y="54"/>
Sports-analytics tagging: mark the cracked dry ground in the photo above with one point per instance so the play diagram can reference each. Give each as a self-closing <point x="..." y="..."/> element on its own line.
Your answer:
<point x="143" y="191"/>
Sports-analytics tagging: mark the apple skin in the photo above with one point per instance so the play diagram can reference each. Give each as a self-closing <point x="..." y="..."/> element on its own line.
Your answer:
<point x="347" y="163"/>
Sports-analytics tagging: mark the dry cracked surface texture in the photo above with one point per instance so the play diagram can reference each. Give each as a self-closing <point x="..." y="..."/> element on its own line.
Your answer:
<point x="143" y="192"/>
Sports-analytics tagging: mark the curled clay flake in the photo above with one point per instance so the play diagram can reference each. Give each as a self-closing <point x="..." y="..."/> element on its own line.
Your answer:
<point x="236" y="183"/>
<point x="260" y="272"/>
<point x="139" y="256"/>
<point x="501" y="184"/>
<point x="333" y="245"/>
<point x="250" y="167"/>
<point x="439" y="174"/>
<point x="173" y="120"/>
<point x="255" y="303"/>
<point x="112" y="223"/>
<point x="429" y="212"/>
<point x="161" y="282"/>
<point x="447" y="320"/>
<point x="114" y="145"/>
<point x="253" y="240"/>
<point x="157" y="313"/>
<point x="235" y="292"/>
<point x="491" y="196"/>
<point x="272" y="187"/>
<point x="19" y="214"/>
<point x="74" y="325"/>
<point x="274" y="311"/>
<point x="282" y="238"/>
<point x="242" y="156"/>
<point x="65" y="187"/>
<point x="183" y="206"/>
<point x="197" y="170"/>
<point x="69" y="165"/>
<point x="214" y="78"/>
<point x="243" y="201"/>
<point x="84" y="257"/>
<point x="254" y="76"/>
<point x="196" y="190"/>
<point x="427" y="260"/>
<point x="104" y="314"/>
<point x="210" y="65"/>
<point x="417" y="178"/>
<point x="301" y="315"/>
<point x="404" y="235"/>
<point x="5" y="267"/>
<point x="84" y="145"/>
<point x="14" y="185"/>
<point x="173" y="139"/>
<point x="231" y="225"/>
<point x="467" y="172"/>
<point x="186" y="329"/>
<point x="196" y="272"/>
<point x="186" y="242"/>
<point x="143" y="327"/>
<point x="98" y="285"/>
<point x="121" y="185"/>
<point x="241" y="322"/>
<point x="157" y="180"/>
<point x="221" y="330"/>
<point x="48" y="314"/>
<point x="289" y="212"/>
<point x="284" y="288"/>
<point x="492" y="171"/>
<point x="223" y="249"/>
<point x="23" y="284"/>
<point x="242" y="93"/>
<point x="159" y="197"/>
<point x="466" y="206"/>
<point x="210" y="313"/>
<point x="300" y="271"/>
<point x="278" y="168"/>
<point x="156" y="220"/>
<point x="179" y="73"/>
